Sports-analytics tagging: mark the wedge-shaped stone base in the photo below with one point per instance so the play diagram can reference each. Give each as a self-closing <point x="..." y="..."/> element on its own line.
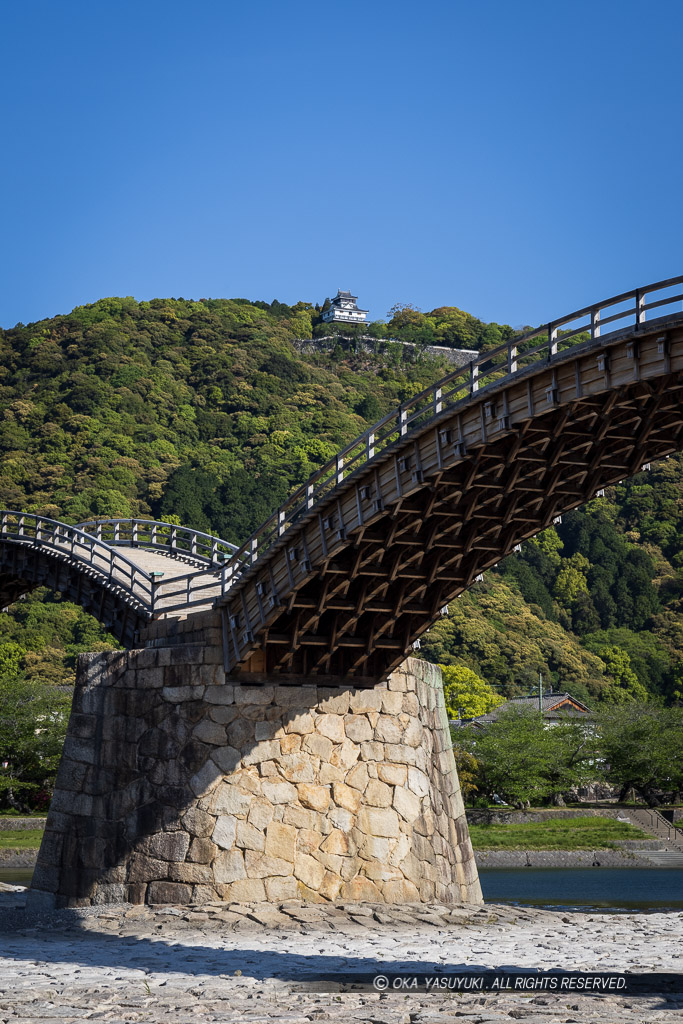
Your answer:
<point x="178" y="785"/>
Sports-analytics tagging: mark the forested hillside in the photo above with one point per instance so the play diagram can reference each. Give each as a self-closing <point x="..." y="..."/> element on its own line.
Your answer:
<point x="205" y="411"/>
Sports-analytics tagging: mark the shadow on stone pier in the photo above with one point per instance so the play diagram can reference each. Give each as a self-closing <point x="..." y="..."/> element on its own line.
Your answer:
<point x="179" y="785"/>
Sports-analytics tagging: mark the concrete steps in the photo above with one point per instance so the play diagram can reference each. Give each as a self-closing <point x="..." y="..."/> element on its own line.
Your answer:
<point x="663" y="858"/>
<point x="654" y="824"/>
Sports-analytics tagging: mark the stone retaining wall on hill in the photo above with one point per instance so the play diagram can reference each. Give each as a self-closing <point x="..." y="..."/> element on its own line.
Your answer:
<point x="382" y="346"/>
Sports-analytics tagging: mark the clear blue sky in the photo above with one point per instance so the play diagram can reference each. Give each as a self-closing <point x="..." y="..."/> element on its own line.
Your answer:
<point x="515" y="159"/>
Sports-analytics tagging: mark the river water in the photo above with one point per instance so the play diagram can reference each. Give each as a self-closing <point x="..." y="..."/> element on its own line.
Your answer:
<point x="625" y="890"/>
<point x="612" y="890"/>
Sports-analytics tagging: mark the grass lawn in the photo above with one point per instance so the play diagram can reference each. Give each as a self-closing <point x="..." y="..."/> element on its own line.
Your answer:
<point x="562" y="834"/>
<point x="20" y="839"/>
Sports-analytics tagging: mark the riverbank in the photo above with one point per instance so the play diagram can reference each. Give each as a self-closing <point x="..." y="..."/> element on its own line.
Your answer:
<point x="18" y="858"/>
<point x="632" y="856"/>
<point x="22" y="859"/>
<point x="297" y="963"/>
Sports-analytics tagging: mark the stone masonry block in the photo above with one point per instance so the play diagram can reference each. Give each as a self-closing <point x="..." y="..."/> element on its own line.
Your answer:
<point x="358" y="728"/>
<point x="332" y="701"/>
<point x="229" y="866"/>
<point x="202" y="851"/>
<point x="169" y="892"/>
<point x="224" y="832"/>
<point x="248" y="837"/>
<point x="315" y="797"/>
<point x="280" y="841"/>
<point x="265" y="750"/>
<point x="378" y="821"/>
<point x="253" y="694"/>
<point x="171" y="846"/>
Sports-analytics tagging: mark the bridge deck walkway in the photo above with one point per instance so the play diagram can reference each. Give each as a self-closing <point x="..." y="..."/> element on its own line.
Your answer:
<point x="173" y="568"/>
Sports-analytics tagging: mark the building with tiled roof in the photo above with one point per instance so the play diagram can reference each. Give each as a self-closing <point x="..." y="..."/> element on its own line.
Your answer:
<point x="555" y="707"/>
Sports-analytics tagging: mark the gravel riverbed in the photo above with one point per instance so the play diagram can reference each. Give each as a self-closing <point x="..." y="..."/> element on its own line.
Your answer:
<point x="296" y="962"/>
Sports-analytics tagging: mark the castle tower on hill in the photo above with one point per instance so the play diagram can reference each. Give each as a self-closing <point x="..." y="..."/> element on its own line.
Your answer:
<point x="344" y="309"/>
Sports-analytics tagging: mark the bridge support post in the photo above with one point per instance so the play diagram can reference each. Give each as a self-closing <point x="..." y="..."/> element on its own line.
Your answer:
<point x="179" y="785"/>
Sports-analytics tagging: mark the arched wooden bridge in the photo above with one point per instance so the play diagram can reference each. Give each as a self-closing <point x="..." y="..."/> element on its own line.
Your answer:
<point x="124" y="571"/>
<point x="348" y="574"/>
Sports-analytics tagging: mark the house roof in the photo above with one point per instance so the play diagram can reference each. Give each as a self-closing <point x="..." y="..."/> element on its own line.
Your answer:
<point x="552" y="705"/>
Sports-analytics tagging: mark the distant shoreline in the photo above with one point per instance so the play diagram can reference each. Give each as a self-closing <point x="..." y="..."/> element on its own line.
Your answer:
<point x="484" y="859"/>
<point x="565" y="859"/>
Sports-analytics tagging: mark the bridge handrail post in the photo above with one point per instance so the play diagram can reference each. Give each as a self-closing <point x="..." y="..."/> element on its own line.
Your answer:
<point x="281" y="522"/>
<point x="370" y="445"/>
<point x="310" y="501"/>
<point x="20" y="527"/>
<point x="552" y="341"/>
<point x="595" y="324"/>
<point x="117" y="531"/>
<point x="134" y="532"/>
<point x="437" y="403"/>
<point x="512" y="357"/>
<point x="474" y="377"/>
<point x="640" y="308"/>
<point x="253" y="550"/>
<point x="227" y="573"/>
<point x="339" y="469"/>
<point x="402" y="421"/>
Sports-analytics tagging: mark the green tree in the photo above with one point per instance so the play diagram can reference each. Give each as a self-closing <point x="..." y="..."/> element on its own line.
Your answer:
<point x="510" y="754"/>
<point x="189" y="495"/>
<point x="625" y="685"/>
<point x="369" y="408"/>
<point x="523" y="760"/>
<point x="467" y="695"/>
<point x="377" y="329"/>
<point x="642" y="745"/>
<point x="571" y="580"/>
<point x="33" y="719"/>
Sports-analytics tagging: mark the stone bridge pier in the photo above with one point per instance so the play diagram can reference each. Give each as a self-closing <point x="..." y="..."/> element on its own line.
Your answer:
<point x="181" y="785"/>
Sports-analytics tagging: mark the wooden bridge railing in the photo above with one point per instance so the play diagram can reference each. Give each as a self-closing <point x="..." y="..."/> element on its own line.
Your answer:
<point x="73" y="544"/>
<point x="165" y="537"/>
<point x="624" y="313"/>
<point x="152" y="594"/>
